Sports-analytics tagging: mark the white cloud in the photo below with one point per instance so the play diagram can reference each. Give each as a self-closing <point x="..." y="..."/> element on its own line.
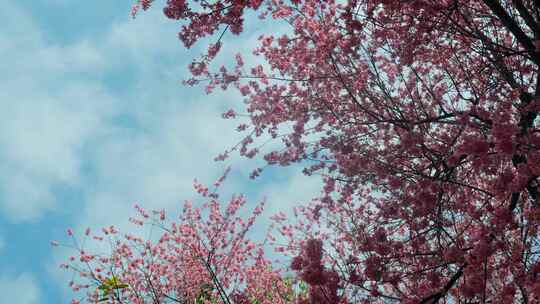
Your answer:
<point x="292" y="191"/>
<point x="21" y="289"/>
<point x="156" y="167"/>
<point x="49" y="112"/>
<point x="24" y="197"/>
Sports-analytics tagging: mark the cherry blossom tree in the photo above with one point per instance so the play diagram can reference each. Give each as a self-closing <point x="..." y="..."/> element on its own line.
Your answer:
<point x="203" y="257"/>
<point x="420" y="117"/>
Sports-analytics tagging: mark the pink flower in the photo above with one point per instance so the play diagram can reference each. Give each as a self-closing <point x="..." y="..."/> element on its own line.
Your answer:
<point x="297" y="263"/>
<point x="313" y="250"/>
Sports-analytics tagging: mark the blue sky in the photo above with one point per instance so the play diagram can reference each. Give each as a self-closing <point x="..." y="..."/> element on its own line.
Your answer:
<point x="93" y="120"/>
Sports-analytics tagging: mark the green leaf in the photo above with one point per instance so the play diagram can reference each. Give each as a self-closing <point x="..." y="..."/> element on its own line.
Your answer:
<point x="303" y="286"/>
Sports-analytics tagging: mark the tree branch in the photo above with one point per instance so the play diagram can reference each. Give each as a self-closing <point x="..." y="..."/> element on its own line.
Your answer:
<point x="437" y="296"/>
<point x="529" y="19"/>
<point x="514" y="28"/>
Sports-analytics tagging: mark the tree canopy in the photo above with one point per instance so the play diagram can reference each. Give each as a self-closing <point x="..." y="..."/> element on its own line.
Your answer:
<point x="420" y="117"/>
